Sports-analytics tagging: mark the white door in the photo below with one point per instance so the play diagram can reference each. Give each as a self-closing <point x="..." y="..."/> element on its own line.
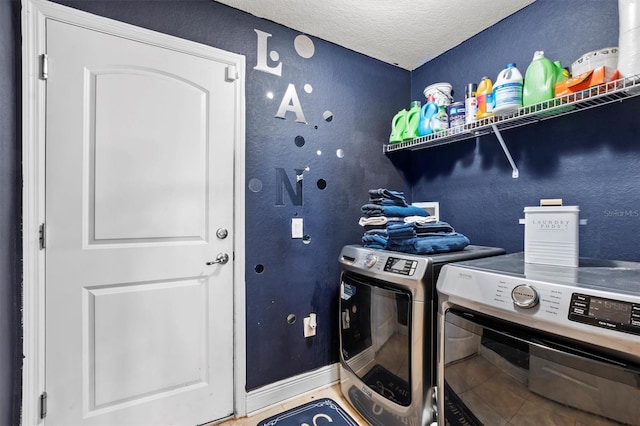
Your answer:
<point x="139" y="177"/>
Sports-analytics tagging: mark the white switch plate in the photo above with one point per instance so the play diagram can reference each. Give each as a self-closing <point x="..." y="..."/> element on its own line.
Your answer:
<point x="297" y="225"/>
<point x="308" y="330"/>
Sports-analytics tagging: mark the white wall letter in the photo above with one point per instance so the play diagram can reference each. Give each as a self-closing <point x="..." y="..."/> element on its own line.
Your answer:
<point x="262" y="64"/>
<point x="290" y="102"/>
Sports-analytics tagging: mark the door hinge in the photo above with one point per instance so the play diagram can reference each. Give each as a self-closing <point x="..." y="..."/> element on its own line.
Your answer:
<point x="43" y="236"/>
<point x="43" y="405"/>
<point x="44" y="66"/>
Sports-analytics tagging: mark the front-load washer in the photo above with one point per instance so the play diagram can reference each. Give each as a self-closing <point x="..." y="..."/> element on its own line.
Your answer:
<point x="525" y="343"/>
<point x="387" y="321"/>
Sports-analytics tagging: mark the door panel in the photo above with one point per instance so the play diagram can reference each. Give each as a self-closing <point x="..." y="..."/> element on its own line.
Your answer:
<point x="124" y="365"/>
<point x="139" y="172"/>
<point x="153" y="164"/>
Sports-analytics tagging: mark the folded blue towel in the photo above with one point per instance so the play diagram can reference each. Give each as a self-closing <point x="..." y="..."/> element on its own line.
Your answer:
<point x="374" y="241"/>
<point x="386" y="193"/>
<point x="392" y="211"/>
<point x="397" y="232"/>
<point x="375" y="246"/>
<point x="387" y="202"/>
<point x="430" y="245"/>
<point x="413" y="229"/>
<point x="378" y="231"/>
<point x="439" y="226"/>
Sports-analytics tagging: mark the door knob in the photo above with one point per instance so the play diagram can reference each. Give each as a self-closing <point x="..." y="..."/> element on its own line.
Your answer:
<point x="221" y="258"/>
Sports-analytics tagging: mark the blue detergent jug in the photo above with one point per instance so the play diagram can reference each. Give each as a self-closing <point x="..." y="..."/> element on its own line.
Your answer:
<point x="429" y="110"/>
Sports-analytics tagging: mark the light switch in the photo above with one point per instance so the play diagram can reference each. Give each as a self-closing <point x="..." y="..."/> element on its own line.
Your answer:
<point x="297" y="227"/>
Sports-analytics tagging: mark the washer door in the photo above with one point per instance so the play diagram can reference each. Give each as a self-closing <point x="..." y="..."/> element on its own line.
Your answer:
<point x="375" y="336"/>
<point x="496" y="372"/>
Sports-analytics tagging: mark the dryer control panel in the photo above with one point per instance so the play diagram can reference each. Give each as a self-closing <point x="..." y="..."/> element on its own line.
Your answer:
<point x="401" y="266"/>
<point x="606" y="313"/>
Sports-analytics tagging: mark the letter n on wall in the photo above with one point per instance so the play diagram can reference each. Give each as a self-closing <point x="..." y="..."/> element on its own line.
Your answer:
<point x="283" y="183"/>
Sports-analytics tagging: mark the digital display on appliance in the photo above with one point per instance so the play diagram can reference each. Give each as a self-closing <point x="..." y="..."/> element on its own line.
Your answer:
<point x="399" y="265"/>
<point x="610" y="310"/>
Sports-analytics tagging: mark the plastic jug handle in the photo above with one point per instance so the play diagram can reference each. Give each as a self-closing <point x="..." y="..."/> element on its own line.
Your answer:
<point x="399" y="121"/>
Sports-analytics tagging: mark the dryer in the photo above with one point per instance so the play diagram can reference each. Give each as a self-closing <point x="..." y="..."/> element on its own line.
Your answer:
<point x="387" y="322"/>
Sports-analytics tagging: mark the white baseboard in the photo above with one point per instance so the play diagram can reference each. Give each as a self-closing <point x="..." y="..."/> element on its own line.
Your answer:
<point x="274" y="393"/>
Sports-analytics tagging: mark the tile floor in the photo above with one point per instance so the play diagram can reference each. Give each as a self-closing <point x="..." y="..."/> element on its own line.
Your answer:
<point x="332" y="392"/>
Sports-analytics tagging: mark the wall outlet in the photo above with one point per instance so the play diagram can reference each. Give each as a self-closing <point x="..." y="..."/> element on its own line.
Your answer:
<point x="310" y="325"/>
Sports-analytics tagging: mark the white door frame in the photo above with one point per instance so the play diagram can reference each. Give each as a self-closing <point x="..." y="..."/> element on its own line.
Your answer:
<point x="34" y="15"/>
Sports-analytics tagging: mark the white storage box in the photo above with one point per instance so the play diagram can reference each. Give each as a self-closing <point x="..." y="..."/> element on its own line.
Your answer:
<point x="551" y="235"/>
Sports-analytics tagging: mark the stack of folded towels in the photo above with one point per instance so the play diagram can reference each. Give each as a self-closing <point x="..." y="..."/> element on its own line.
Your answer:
<point x="392" y="224"/>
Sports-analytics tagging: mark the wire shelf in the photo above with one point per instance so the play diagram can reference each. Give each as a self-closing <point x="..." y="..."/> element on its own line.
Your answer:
<point x="614" y="91"/>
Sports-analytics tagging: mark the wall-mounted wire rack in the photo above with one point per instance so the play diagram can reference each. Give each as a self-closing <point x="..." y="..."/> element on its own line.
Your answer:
<point x="606" y="93"/>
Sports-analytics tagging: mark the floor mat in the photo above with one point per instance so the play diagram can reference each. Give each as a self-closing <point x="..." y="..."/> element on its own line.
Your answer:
<point x="315" y="413"/>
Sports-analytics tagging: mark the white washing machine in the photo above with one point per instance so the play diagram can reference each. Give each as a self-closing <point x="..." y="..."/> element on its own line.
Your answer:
<point x="524" y="343"/>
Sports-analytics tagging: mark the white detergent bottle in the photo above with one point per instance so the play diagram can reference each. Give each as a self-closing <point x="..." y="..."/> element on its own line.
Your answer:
<point x="507" y="91"/>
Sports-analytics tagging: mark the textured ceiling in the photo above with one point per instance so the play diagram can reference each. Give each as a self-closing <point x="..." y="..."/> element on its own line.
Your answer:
<point x="406" y="33"/>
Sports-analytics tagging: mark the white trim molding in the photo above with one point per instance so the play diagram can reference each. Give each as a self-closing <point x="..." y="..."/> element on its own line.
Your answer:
<point x="35" y="13"/>
<point x="277" y="392"/>
<point x="33" y="120"/>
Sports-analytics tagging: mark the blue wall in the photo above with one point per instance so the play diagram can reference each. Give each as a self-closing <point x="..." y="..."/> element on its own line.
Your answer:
<point x="590" y="159"/>
<point x="10" y="249"/>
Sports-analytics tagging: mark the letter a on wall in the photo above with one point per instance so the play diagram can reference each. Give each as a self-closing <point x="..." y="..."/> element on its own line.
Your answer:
<point x="290" y="102"/>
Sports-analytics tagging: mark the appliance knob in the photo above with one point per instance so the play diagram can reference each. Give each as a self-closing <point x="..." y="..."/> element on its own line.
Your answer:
<point x="370" y="260"/>
<point x="524" y="296"/>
